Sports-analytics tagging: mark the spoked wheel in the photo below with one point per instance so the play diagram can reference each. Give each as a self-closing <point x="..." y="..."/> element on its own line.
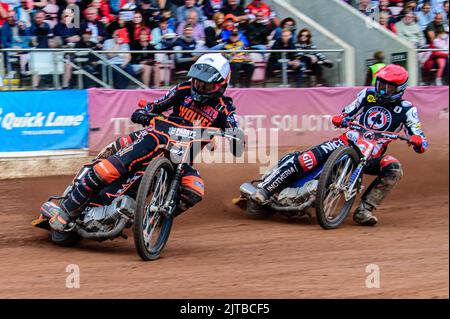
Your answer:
<point x="331" y="206"/>
<point x="151" y="227"/>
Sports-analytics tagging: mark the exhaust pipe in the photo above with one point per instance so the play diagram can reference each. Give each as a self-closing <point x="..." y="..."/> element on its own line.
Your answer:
<point x="101" y="236"/>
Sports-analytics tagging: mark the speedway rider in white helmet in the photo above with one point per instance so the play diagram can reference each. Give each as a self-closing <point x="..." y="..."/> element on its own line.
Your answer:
<point x="198" y="101"/>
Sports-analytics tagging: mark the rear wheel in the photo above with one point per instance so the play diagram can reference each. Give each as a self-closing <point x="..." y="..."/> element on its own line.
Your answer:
<point x="331" y="206"/>
<point x="151" y="227"/>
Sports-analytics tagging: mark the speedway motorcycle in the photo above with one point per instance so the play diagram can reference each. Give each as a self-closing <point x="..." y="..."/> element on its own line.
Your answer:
<point x="330" y="188"/>
<point x="145" y="200"/>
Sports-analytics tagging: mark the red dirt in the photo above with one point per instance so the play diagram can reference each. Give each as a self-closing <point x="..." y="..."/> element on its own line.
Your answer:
<point x="216" y="252"/>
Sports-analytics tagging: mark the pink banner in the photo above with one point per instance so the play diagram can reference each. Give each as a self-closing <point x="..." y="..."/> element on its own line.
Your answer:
<point x="302" y="116"/>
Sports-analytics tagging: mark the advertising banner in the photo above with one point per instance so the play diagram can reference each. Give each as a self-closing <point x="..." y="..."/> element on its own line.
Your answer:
<point x="301" y="116"/>
<point x="43" y="120"/>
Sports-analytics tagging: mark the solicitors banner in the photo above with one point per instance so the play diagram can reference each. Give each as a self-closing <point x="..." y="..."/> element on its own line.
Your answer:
<point x="300" y="116"/>
<point x="43" y="120"/>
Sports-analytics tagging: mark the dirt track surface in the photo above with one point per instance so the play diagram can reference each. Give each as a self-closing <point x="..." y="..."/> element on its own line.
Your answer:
<point x="216" y="252"/>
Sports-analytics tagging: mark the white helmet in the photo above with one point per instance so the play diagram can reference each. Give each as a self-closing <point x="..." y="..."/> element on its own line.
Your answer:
<point x="209" y="77"/>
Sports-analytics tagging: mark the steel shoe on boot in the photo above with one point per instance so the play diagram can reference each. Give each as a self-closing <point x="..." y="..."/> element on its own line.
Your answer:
<point x="260" y="197"/>
<point x="60" y="220"/>
<point x="363" y="215"/>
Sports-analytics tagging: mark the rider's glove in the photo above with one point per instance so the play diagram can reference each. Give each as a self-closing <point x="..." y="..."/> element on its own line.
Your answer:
<point x="144" y="104"/>
<point x="140" y="116"/>
<point x="340" y="120"/>
<point x="419" y="143"/>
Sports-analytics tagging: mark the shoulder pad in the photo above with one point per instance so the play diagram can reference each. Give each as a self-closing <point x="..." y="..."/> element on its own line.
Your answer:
<point x="369" y="96"/>
<point x="183" y="86"/>
<point x="406" y="104"/>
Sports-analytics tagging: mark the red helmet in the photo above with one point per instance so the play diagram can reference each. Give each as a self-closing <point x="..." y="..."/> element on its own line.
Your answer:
<point x="391" y="82"/>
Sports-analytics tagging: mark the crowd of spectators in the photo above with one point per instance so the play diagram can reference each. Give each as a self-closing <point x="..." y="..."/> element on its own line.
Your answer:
<point x="424" y="23"/>
<point x="121" y="25"/>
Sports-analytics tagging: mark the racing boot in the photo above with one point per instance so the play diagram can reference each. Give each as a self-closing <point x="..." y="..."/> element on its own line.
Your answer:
<point x="363" y="215"/>
<point x="75" y="201"/>
<point x="391" y="172"/>
<point x="278" y="178"/>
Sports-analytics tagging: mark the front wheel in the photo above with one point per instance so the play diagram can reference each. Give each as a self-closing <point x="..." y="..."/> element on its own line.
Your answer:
<point x="331" y="206"/>
<point x="151" y="226"/>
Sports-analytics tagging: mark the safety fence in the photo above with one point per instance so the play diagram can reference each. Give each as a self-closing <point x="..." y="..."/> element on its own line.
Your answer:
<point x="91" y="68"/>
<point x="77" y="119"/>
<point x="428" y="65"/>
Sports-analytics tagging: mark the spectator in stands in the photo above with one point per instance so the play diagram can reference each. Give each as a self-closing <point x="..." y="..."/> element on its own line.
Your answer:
<point x="228" y="26"/>
<point x="437" y="25"/>
<point x="40" y="30"/>
<point x="182" y="12"/>
<point x="424" y="16"/>
<point x="51" y="10"/>
<point x="445" y="15"/>
<point x="39" y="4"/>
<point x="116" y="25"/>
<point x="378" y="63"/>
<point x="285" y="42"/>
<point x="163" y="36"/>
<point x="383" y="7"/>
<point x="150" y="11"/>
<point x="4" y="8"/>
<point x="437" y="59"/>
<point x="409" y="30"/>
<point x="197" y="27"/>
<point x="103" y="10"/>
<point x="260" y="5"/>
<point x="236" y="9"/>
<point x="183" y="61"/>
<point x="212" y="6"/>
<point x="287" y="23"/>
<point x="384" y="22"/>
<point x="137" y="26"/>
<point x="364" y="7"/>
<point x="14" y="34"/>
<point x="128" y="10"/>
<point x="240" y="63"/>
<point x="66" y="30"/>
<point x="97" y="28"/>
<point x="437" y="5"/>
<point x="53" y="43"/>
<point x="171" y="20"/>
<point x="90" y="66"/>
<point x="24" y="11"/>
<point x="213" y="33"/>
<point x="259" y="30"/>
<point x="411" y="5"/>
<point x="119" y="43"/>
<point x="144" y="63"/>
<point x="312" y="61"/>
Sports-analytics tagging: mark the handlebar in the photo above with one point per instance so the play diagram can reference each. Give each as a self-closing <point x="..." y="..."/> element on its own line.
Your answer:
<point x="356" y="126"/>
<point x="219" y="133"/>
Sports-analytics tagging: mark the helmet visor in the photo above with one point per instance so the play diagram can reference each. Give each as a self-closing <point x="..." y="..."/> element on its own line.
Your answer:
<point x="204" y="87"/>
<point x="384" y="88"/>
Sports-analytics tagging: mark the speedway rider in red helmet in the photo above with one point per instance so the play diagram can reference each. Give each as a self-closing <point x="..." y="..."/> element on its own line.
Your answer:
<point x="381" y="108"/>
<point x="199" y="101"/>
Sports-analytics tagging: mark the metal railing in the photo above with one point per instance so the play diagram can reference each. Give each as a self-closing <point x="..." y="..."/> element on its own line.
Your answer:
<point x="420" y="62"/>
<point x="107" y="67"/>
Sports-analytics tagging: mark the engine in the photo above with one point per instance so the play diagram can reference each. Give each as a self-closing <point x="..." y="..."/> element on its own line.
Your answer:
<point x="296" y="196"/>
<point x="104" y="218"/>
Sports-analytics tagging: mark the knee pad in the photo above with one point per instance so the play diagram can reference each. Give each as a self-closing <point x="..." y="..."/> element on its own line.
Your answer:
<point x="391" y="170"/>
<point x="192" y="189"/>
<point x="108" y="170"/>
